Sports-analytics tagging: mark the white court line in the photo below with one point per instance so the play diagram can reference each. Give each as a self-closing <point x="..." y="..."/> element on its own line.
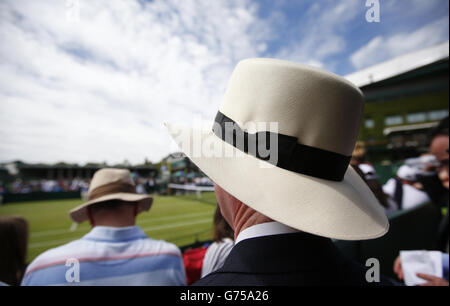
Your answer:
<point x="51" y="232"/>
<point x="49" y="243"/>
<point x="171" y="225"/>
<point x="175" y="217"/>
<point x="147" y="229"/>
<point x="150" y="220"/>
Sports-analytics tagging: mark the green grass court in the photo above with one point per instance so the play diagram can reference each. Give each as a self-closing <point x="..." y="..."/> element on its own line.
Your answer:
<point x="178" y="219"/>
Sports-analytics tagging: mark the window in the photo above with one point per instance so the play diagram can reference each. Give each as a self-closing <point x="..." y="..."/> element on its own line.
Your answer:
<point x="416" y="117"/>
<point x="369" y="123"/>
<point x="393" y="120"/>
<point x="437" y="114"/>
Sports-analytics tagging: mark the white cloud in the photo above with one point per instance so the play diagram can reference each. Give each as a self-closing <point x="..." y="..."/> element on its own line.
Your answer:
<point x="100" y="88"/>
<point x="321" y="33"/>
<point x="95" y="82"/>
<point x="382" y="48"/>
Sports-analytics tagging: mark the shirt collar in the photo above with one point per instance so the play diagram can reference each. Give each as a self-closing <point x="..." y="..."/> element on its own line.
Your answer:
<point x="264" y="229"/>
<point x="115" y="234"/>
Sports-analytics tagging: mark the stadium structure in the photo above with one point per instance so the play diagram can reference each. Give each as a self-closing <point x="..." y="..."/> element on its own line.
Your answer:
<point x="64" y="173"/>
<point x="67" y="171"/>
<point x="405" y="97"/>
<point x="178" y="164"/>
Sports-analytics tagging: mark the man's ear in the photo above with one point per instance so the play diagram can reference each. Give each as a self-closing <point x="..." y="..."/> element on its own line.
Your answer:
<point x="136" y="209"/>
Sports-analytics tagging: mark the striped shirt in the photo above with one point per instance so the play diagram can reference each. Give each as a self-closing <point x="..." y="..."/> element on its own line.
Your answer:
<point x="109" y="256"/>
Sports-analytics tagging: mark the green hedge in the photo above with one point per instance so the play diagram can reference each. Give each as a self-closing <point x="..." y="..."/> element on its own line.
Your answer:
<point x="39" y="196"/>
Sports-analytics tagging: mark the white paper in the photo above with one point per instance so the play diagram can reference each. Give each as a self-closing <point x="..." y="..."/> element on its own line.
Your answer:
<point x="426" y="262"/>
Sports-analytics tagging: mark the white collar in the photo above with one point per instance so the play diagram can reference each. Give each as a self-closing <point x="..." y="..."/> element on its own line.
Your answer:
<point x="264" y="229"/>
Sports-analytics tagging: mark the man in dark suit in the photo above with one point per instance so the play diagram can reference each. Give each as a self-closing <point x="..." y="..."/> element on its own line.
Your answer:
<point x="275" y="254"/>
<point x="281" y="146"/>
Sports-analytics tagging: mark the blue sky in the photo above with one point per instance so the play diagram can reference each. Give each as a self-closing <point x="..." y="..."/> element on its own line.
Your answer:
<point x="341" y="29"/>
<point x="94" y="81"/>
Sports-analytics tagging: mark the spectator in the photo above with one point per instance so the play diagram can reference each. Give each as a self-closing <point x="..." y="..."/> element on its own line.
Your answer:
<point x="140" y="188"/>
<point x="435" y="179"/>
<point x="218" y="251"/>
<point x="202" y="260"/>
<point x="115" y="251"/>
<point x="285" y="203"/>
<point x="439" y="147"/>
<point x="193" y="262"/>
<point x="368" y="174"/>
<point x="402" y="188"/>
<point x="430" y="280"/>
<point x="2" y="190"/>
<point x="151" y="185"/>
<point x="13" y="242"/>
<point x="359" y="154"/>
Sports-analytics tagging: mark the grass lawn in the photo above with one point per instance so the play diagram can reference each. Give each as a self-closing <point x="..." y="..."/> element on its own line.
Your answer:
<point x="178" y="219"/>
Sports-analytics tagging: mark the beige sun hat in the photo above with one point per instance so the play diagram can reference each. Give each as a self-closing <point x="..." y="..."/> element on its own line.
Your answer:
<point x="111" y="184"/>
<point x="309" y="185"/>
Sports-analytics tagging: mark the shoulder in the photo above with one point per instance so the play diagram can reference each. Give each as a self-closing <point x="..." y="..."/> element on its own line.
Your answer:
<point x="389" y="187"/>
<point x="218" y="249"/>
<point x="55" y="256"/>
<point x="161" y="246"/>
<point x="222" y="246"/>
<point x="43" y="266"/>
<point x="223" y="279"/>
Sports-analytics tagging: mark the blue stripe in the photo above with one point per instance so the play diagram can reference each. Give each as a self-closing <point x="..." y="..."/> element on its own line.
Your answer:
<point x="114" y="234"/>
<point x="113" y="241"/>
<point x="103" y="269"/>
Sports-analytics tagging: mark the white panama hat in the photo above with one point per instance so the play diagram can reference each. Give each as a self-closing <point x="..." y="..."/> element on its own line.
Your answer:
<point x="309" y="186"/>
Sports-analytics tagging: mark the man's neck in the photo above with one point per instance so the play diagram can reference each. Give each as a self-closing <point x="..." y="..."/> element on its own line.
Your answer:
<point x="113" y="223"/>
<point x="246" y="217"/>
<point x="264" y="229"/>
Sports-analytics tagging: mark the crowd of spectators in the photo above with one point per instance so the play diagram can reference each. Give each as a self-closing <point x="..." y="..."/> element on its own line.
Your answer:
<point x="44" y="185"/>
<point x="194" y="181"/>
<point x="143" y="184"/>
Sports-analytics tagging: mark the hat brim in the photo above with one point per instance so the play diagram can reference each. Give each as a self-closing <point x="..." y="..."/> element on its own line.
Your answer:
<point x="79" y="213"/>
<point x="346" y="210"/>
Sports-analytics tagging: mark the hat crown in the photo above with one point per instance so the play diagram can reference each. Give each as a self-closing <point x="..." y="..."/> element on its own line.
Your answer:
<point x="406" y="172"/>
<point x="107" y="176"/>
<point x="319" y="108"/>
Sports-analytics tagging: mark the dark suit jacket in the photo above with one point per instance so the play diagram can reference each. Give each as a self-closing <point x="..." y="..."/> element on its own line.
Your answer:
<point x="297" y="259"/>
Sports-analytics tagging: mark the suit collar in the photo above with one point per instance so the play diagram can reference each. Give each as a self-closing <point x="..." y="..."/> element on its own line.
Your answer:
<point x="281" y="253"/>
<point x="264" y="229"/>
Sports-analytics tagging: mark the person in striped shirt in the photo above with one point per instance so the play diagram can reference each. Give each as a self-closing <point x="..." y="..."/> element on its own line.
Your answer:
<point x="115" y="252"/>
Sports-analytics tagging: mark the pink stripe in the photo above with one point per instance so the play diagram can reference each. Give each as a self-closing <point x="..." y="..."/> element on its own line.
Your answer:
<point x="60" y="262"/>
